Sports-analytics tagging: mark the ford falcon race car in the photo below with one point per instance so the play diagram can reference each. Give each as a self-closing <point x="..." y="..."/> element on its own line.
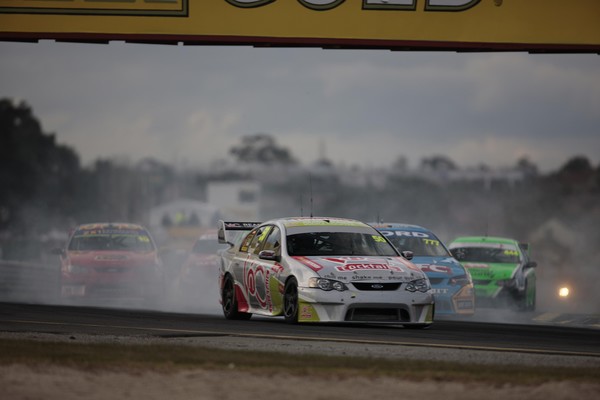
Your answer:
<point x="320" y="270"/>
<point x="451" y="283"/>
<point x="503" y="274"/>
<point x="111" y="260"/>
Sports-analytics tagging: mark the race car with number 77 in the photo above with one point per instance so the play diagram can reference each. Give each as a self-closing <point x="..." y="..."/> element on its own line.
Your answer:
<point x="451" y="283"/>
<point x="320" y="270"/>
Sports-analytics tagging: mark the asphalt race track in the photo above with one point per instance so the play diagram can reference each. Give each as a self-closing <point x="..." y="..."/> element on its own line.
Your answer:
<point x="521" y="338"/>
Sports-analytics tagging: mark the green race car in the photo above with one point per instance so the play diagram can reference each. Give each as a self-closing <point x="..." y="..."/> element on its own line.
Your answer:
<point x="502" y="273"/>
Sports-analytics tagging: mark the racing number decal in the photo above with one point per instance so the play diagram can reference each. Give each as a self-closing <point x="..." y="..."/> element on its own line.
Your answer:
<point x="256" y="282"/>
<point x="250" y="282"/>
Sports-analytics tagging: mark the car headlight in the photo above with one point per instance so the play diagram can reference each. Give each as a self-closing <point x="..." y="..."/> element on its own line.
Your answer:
<point x="421" y="285"/>
<point x="508" y="283"/>
<point x="327" y="284"/>
<point x="77" y="269"/>
<point x="564" y="292"/>
<point x="460" y="280"/>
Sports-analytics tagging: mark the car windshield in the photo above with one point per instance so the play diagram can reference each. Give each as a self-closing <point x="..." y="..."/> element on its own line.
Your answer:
<point x="339" y="244"/>
<point x="113" y="241"/>
<point x="420" y="246"/>
<point x="486" y="254"/>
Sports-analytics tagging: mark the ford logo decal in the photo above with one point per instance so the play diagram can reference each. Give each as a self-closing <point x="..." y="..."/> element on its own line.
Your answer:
<point x="377" y="286"/>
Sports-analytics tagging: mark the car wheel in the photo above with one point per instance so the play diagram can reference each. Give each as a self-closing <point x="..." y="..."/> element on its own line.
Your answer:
<point x="523" y="303"/>
<point x="531" y="305"/>
<point x="290" y="301"/>
<point x="229" y="301"/>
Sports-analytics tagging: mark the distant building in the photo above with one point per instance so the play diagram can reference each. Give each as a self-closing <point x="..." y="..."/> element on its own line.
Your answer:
<point x="236" y="200"/>
<point x="182" y="220"/>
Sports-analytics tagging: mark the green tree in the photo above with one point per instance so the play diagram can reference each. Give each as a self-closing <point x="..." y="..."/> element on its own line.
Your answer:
<point x="38" y="177"/>
<point x="261" y="148"/>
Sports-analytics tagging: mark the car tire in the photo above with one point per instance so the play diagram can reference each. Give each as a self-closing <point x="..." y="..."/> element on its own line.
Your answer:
<point x="229" y="301"/>
<point x="522" y="304"/>
<point x="290" y="301"/>
<point x="530" y="306"/>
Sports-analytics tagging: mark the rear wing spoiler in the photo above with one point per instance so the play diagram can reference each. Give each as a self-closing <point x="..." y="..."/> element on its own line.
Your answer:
<point x="229" y="231"/>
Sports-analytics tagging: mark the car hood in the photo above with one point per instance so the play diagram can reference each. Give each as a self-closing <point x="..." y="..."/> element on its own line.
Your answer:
<point x="351" y="269"/>
<point x="494" y="271"/>
<point x="439" y="267"/>
<point x="110" y="258"/>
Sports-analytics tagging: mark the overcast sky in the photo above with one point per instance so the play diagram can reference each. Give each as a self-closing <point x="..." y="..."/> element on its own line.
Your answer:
<point x="189" y="105"/>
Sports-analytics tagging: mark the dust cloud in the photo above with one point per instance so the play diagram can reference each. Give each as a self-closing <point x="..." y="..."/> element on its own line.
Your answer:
<point x="558" y="214"/>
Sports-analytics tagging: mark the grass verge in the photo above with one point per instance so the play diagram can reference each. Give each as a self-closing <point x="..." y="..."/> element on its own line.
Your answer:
<point x="172" y="358"/>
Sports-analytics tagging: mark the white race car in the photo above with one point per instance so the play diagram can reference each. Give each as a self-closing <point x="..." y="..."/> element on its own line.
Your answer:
<point x="320" y="270"/>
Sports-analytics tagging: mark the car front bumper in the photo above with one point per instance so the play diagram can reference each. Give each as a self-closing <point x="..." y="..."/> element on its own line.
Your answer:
<point x="390" y="307"/>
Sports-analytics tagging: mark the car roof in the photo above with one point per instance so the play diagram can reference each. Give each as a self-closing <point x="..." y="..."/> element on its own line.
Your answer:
<point x="484" y="239"/>
<point x="319" y="221"/>
<point x="115" y="225"/>
<point x="399" y="226"/>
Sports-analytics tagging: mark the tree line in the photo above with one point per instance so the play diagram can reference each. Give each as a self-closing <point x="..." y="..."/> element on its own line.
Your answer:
<point x="45" y="187"/>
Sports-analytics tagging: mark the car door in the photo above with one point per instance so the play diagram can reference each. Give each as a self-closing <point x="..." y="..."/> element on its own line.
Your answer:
<point x="261" y="274"/>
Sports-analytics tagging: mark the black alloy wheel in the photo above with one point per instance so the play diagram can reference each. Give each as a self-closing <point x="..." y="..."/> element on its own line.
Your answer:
<point x="229" y="301"/>
<point x="290" y="301"/>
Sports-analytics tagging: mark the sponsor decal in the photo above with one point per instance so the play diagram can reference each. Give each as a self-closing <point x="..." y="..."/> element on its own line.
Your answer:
<point x="73" y="290"/>
<point x="475" y="265"/>
<point x="257" y="285"/>
<point x="358" y="267"/>
<point x="405" y="233"/>
<point x="344" y="260"/>
<point x="277" y="268"/>
<point x="358" y="278"/>
<point x="323" y="222"/>
<point x="307" y="313"/>
<point x="439" y="291"/>
<point x="464" y="304"/>
<point x="244" y="226"/>
<point x="435" y="268"/>
<point x="309" y="263"/>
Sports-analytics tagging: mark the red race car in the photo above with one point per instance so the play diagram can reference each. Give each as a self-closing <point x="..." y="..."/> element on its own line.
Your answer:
<point x="197" y="284"/>
<point x="111" y="261"/>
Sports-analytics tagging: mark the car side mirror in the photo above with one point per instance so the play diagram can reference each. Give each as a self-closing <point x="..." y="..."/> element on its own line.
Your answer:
<point x="407" y="254"/>
<point x="270" y="255"/>
<point x="531" y="264"/>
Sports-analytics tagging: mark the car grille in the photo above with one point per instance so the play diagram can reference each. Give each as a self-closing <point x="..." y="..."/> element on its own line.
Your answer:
<point x="483" y="282"/>
<point x="366" y="314"/>
<point x="442" y="305"/>
<point x="118" y="270"/>
<point x="436" y="281"/>
<point x="376" y="286"/>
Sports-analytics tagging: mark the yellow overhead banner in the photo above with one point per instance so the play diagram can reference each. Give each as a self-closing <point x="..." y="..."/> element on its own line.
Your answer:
<point x="468" y="25"/>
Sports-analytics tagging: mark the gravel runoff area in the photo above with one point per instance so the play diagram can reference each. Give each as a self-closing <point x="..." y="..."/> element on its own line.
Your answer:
<point x="27" y="382"/>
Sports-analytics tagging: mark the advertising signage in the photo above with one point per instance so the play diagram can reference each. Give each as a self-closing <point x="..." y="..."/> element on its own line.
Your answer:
<point x="454" y="25"/>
